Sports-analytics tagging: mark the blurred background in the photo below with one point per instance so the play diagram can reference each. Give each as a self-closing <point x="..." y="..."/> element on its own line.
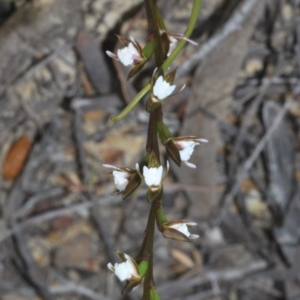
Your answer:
<point x="60" y="219"/>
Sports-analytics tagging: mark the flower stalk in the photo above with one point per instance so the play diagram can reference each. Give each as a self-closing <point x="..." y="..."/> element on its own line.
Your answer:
<point x="165" y="47"/>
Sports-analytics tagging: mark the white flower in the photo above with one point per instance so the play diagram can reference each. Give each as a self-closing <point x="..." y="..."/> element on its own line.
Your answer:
<point x="128" y="55"/>
<point x="186" y="148"/>
<point x="153" y="176"/>
<point x="121" y="176"/>
<point x="183" y="227"/>
<point x="127" y="270"/>
<point x="121" y="180"/>
<point x="162" y="88"/>
<point x="131" y="54"/>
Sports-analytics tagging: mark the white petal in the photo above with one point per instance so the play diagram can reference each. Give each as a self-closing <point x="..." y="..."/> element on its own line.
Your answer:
<point x="185" y="154"/>
<point x="162" y="88"/>
<point x="125" y="270"/>
<point x="191" y="223"/>
<point x="111" y="267"/>
<point x="186" y="149"/>
<point x="152" y="175"/>
<point x="110" y="166"/>
<point x="121" y="180"/>
<point x="190" y="165"/>
<point x="111" y="55"/>
<point x="182" y="37"/>
<point x="125" y="57"/>
<point x="193" y="236"/>
<point x="186" y="144"/>
<point x="168" y="167"/>
<point x="127" y="54"/>
<point x="182" y="228"/>
<point x="132" y="266"/>
<point x="203" y="140"/>
<point x="122" y="271"/>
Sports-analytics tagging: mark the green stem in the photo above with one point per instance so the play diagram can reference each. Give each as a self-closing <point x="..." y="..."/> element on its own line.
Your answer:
<point x="152" y="145"/>
<point x="133" y="103"/>
<point x="153" y="27"/>
<point x="166" y="64"/>
<point x="152" y="141"/>
<point x="147" y="251"/>
<point x="188" y="32"/>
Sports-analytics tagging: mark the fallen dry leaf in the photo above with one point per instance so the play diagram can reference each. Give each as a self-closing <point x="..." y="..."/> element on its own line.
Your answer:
<point x="16" y="157"/>
<point x="248" y="184"/>
<point x="182" y="258"/>
<point x="94" y="115"/>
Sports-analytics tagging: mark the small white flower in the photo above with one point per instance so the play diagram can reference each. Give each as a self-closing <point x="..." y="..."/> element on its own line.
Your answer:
<point x="121" y="176"/>
<point x="127" y="270"/>
<point x="121" y="180"/>
<point x="153" y="176"/>
<point x="162" y="88"/>
<point x="186" y="148"/>
<point x="128" y="55"/>
<point x="183" y="227"/>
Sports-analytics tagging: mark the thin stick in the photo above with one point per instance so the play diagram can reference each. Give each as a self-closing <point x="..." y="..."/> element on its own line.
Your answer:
<point x="242" y="173"/>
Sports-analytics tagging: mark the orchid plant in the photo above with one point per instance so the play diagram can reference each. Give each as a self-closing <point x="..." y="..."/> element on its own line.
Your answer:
<point x="165" y="47"/>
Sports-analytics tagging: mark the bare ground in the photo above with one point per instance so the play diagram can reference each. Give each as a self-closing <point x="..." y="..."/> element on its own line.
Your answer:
<point x="60" y="220"/>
